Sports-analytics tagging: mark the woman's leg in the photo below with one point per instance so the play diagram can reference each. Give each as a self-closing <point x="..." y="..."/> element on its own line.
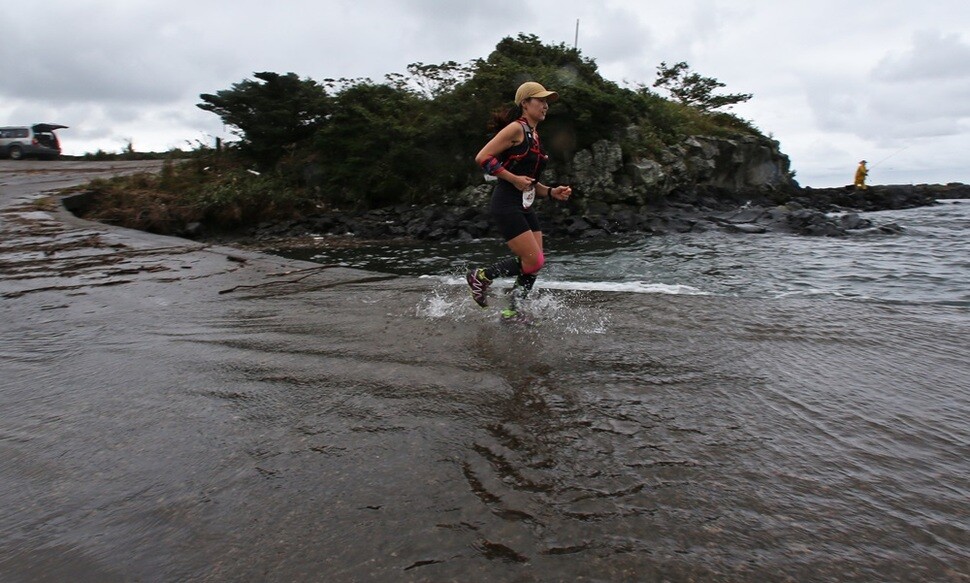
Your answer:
<point x="528" y="248"/>
<point x="528" y="260"/>
<point x="532" y="259"/>
<point x="524" y="238"/>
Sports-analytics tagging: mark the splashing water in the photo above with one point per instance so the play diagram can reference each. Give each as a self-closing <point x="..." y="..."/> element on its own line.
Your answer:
<point x="441" y="304"/>
<point x="571" y="312"/>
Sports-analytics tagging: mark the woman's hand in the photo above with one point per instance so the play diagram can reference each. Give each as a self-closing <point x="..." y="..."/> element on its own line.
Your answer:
<point x="523" y="183"/>
<point x="560" y="192"/>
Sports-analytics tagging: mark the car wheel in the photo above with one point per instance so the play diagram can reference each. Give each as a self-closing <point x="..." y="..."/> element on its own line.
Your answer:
<point x="15" y="153"/>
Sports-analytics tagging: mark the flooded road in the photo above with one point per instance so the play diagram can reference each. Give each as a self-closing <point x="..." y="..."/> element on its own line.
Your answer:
<point x="171" y="411"/>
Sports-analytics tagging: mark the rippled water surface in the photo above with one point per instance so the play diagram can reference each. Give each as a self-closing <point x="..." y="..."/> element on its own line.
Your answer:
<point x="700" y="408"/>
<point x="929" y="263"/>
<point x="805" y="397"/>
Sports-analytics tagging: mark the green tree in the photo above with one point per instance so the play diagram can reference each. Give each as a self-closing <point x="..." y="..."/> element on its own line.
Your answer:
<point x="412" y="139"/>
<point x="272" y="114"/>
<point x="591" y="107"/>
<point x="692" y="89"/>
<point x="430" y="81"/>
<point x="369" y="150"/>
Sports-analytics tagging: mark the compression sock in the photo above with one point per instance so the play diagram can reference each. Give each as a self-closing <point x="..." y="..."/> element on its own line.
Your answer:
<point x="523" y="285"/>
<point x="525" y="282"/>
<point x="505" y="268"/>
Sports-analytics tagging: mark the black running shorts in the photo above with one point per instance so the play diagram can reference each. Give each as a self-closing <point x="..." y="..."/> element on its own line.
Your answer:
<point x="511" y="219"/>
<point x="512" y="222"/>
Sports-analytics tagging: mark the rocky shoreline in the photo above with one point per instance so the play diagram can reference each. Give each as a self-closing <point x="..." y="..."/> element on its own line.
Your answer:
<point x="742" y="185"/>
<point x="703" y="183"/>
<point x="832" y="212"/>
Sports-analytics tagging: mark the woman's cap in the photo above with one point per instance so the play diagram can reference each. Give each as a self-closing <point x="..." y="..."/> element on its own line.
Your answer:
<point x="533" y="89"/>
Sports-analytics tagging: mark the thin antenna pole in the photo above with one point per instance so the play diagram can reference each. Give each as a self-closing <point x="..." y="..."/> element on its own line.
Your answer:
<point x="576" y="41"/>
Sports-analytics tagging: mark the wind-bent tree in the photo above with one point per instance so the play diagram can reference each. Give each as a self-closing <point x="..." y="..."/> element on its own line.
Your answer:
<point x="693" y="89"/>
<point x="272" y="114"/>
<point x="430" y="81"/>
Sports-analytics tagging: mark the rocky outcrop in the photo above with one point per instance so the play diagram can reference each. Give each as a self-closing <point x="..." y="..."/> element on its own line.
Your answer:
<point x="595" y="220"/>
<point x="729" y="170"/>
<point x="800" y="221"/>
<point x="876" y="198"/>
<point x="702" y="170"/>
<point x="742" y="185"/>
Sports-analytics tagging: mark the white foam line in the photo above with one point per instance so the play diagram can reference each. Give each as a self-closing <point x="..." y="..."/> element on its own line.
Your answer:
<point x="638" y="287"/>
<point x="625" y="286"/>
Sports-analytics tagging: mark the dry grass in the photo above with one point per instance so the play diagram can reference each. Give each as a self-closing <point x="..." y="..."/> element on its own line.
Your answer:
<point x="217" y="193"/>
<point x="147" y="209"/>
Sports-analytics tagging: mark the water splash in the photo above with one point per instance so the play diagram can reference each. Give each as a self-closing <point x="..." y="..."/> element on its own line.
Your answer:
<point x="568" y="312"/>
<point x="443" y="304"/>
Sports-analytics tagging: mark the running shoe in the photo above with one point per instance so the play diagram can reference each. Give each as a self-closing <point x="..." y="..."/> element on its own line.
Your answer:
<point x="515" y="317"/>
<point x="479" y="285"/>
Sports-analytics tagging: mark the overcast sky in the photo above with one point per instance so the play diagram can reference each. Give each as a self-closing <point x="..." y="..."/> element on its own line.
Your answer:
<point x="834" y="81"/>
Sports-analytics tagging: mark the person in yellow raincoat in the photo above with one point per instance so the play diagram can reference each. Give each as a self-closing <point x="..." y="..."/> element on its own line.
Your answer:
<point x="860" y="176"/>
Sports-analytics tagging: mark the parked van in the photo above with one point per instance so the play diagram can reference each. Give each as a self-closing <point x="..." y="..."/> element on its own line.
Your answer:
<point x="18" y="142"/>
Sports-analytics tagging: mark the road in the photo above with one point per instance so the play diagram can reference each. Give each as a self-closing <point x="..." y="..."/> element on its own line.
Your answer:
<point x="162" y="404"/>
<point x="177" y="411"/>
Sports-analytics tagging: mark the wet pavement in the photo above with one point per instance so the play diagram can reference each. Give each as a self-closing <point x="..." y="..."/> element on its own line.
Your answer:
<point x="116" y="438"/>
<point x="174" y="411"/>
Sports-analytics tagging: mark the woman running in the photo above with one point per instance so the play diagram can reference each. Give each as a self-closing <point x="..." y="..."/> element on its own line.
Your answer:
<point x="515" y="156"/>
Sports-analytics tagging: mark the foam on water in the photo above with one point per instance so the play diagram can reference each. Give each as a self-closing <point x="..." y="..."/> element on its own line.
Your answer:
<point x="598" y="286"/>
<point x="637" y="287"/>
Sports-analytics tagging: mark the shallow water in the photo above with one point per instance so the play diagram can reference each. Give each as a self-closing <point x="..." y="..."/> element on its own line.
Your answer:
<point x="803" y="412"/>
<point x="928" y="263"/>
<point x="325" y="426"/>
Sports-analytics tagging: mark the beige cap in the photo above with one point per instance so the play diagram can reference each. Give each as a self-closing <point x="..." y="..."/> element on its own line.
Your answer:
<point x="533" y="89"/>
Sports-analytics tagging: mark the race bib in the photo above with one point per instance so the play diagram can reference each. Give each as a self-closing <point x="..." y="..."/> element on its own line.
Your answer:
<point x="528" y="196"/>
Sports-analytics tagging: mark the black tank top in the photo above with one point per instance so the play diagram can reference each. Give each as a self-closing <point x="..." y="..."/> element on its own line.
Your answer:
<point x="525" y="159"/>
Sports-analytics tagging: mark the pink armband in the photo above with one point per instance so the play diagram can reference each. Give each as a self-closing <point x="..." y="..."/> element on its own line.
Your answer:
<point x="491" y="165"/>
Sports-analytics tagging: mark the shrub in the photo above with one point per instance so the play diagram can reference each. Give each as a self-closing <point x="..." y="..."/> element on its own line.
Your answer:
<point x="216" y="190"/>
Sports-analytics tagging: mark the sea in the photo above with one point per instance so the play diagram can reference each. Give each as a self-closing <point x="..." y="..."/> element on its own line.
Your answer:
<point x="709" y="406"/>
<point x="928" y="264"/>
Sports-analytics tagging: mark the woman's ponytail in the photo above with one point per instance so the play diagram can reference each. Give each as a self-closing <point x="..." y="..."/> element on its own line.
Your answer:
<point x="503" y="117"/>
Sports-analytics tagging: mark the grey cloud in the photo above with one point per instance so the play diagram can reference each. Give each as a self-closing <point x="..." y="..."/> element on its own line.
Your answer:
<point x="836" y="110"/>
<point x="822" y="71"/>
<point x="921" y="92"/>
<point x="129" y="57"/>
<point x="923" y="101"/>
<point x="933" y="56"/>
<point x="885" y="116"/>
